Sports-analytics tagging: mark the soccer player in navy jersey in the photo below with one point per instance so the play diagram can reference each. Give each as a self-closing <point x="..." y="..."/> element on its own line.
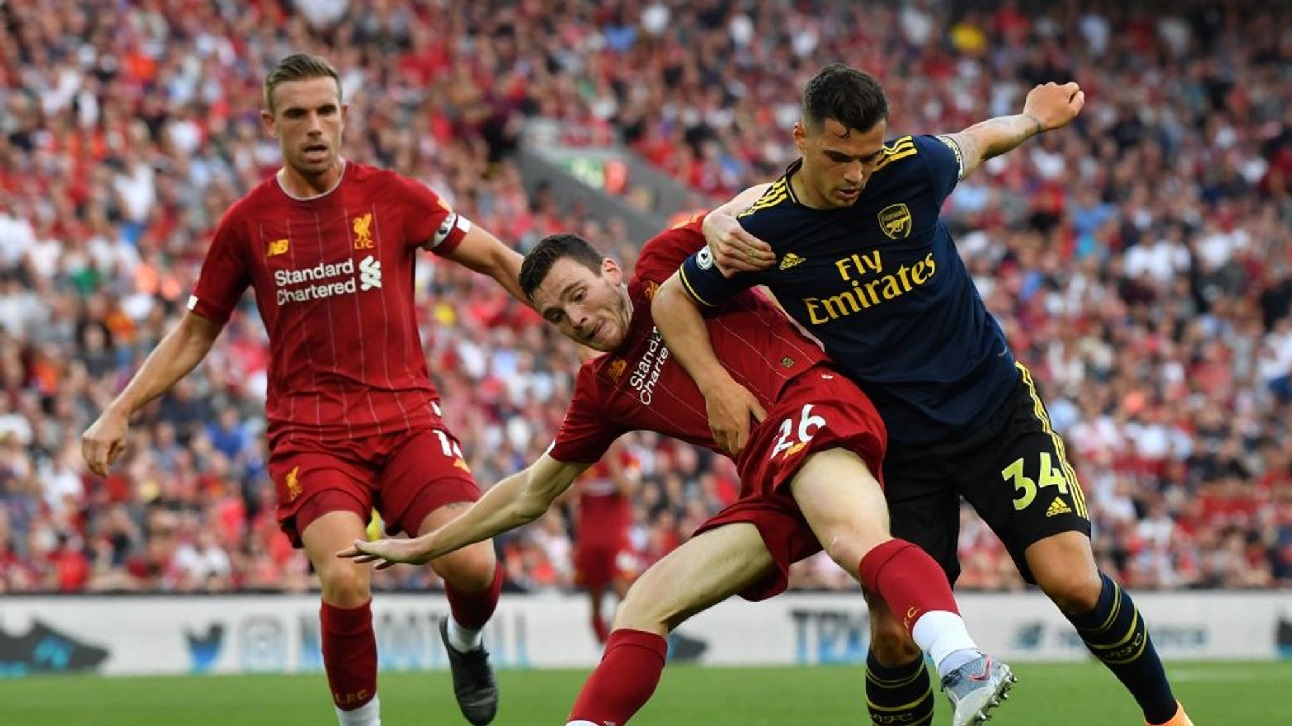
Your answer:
<point x="850" y="242"/>
<point x="806" y="475"/>
<point x="329" y="247"/>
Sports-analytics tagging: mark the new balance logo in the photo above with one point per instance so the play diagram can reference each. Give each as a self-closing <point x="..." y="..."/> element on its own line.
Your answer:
<point x="369" y="273"/>
<point x="1057" y="507"/>
<point x="790" y="260"/>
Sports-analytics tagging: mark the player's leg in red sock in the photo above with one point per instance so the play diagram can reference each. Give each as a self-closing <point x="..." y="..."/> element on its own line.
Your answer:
<point x="705" y="570"/>
<point x="348" y="642"/>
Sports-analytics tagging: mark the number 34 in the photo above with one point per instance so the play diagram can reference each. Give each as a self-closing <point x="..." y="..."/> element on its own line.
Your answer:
<point x="1026" y="488"/>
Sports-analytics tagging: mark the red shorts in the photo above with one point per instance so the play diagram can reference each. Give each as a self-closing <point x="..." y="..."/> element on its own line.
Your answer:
<point x="597" y="566"/>
<point x="818" y="410"/>
<point x="404" y="476"/>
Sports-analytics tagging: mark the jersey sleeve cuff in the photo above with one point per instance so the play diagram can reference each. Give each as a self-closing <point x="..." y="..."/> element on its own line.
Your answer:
<point x="201" y="308"/>
<point x="690" y="290"/>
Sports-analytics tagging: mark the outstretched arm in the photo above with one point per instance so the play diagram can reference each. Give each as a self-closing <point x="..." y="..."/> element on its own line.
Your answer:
<point x="519" y="499"/>
<point x="1048" y="106"/>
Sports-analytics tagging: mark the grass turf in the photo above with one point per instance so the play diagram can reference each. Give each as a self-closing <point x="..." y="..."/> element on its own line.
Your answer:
<point x="1078" y="694"/>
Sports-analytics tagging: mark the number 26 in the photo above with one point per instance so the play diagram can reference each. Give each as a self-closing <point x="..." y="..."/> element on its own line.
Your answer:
<point x="808" y="425"/>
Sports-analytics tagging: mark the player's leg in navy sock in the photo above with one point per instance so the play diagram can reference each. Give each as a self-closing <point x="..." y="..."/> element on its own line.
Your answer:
<point x="1106" y="618"/>
<point x="1115" y="632"/>
<point x="898" y="687"/>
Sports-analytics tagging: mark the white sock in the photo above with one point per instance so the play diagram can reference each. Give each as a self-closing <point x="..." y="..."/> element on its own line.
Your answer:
<point x="582" y="723"/>
<point x="463" y="639"/>
<point x="369" y="714"/>
<point x="945" y="638"/>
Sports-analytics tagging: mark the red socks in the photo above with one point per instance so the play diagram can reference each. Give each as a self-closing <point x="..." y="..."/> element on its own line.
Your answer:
<point x="599" y="628"/>
<point x="908" y="579"/>
<point x="473" y="609"/>
<point x="624" y="680"/>
<point x="349" y="654"/>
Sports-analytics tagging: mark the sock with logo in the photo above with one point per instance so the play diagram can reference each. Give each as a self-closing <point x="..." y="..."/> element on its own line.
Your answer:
<point x="471" y="610"/>
<point x="1114" y="631"/>
<point x="916" y="589"/>
<point x="369" y="714"/>
<point x="899" y="695"/>
<point x="623" y="681"/>
<point x="350" y="659"/>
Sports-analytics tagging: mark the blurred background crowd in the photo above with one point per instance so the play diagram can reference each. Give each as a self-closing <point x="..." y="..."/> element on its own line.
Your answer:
<point x="1140" y="261"/>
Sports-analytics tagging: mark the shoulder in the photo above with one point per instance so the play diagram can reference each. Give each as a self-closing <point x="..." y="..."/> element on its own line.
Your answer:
<point x="773" y="210"/>
<point x="776" y="199"/>
<point x="911" y="154"/>
<point x="665" y="252"/>
<point x="265" y="199"/>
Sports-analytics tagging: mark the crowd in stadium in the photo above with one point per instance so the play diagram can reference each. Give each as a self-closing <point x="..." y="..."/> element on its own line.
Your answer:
<point x="1140" y="261"/>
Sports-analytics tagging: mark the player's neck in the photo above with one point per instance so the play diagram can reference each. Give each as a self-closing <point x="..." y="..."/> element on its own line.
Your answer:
<point x="298" y="186"/>
<point x="803" y="194"/>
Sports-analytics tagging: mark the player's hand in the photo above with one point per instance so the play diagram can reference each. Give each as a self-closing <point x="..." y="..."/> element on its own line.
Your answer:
<point x="732" y="410"/>
<point x="1054" y="105"/>
<point x="388" y="552"/>
<point x="104" y="441"/>
<point x="735" y="250"/>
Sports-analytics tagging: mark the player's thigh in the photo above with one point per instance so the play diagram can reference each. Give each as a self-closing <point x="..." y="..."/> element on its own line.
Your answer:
<point x="425" y="483"/>
<point x="425" y="472"/>
<point x="703" y="571"/>
<point x="344" y="583"/>
<point x="1022" y="484"/>
<point x="843" y="503"/>
<point x="923" y="504"/>
<point x="311" y="482"/>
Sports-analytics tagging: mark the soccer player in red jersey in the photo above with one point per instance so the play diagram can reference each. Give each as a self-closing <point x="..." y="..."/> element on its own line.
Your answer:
<point x="603" y="557"/>
<point x="329" y="246"/>
<point x="806" y="471"/>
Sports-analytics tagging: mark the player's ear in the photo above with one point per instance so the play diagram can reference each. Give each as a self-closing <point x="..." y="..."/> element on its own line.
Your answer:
<point x="611" y="271"/>
<point x="267" y="120"/>
<point x="800" y="133"/>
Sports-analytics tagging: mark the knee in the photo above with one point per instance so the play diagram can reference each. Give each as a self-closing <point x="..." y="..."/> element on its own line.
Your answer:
<point x="345" y="586"/>
<point x="1073" y="591"/>
<point x="470" y="569"/>
<point x="848" y="546"/>
<point x="636" y="612"/>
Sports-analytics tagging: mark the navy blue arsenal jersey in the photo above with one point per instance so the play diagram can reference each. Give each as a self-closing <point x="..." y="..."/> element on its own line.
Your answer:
<point x="883" y="288"/>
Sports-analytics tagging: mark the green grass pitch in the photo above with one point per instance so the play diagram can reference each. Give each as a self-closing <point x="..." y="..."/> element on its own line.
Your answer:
<point x="1080" y="694"/>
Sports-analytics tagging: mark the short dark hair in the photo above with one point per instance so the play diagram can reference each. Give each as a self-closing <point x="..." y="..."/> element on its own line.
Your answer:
<point x="538" y="263"/>
<point x="852" y="97"/>
<point x="298" y="67"/>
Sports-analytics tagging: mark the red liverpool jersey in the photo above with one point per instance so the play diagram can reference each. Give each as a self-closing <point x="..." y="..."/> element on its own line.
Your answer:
<point x="333" y="278"/>
<point x="640" y="386"/>
<point x="605" y="512"/>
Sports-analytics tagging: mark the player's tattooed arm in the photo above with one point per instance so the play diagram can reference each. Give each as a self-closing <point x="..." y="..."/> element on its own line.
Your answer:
<point x="1048" y="106"/>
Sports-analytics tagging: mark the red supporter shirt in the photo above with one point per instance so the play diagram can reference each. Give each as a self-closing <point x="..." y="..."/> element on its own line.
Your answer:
<point x="333" y="277"/>
<point x="641" y="387"/>
<point x="605" y="512"/>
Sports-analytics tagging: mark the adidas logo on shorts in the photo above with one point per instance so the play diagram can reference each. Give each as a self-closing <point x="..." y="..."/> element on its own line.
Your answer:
<point x="1058" y="507"/>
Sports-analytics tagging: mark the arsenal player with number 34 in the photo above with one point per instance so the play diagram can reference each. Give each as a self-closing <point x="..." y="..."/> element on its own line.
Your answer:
<point x="329" y="246"/>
